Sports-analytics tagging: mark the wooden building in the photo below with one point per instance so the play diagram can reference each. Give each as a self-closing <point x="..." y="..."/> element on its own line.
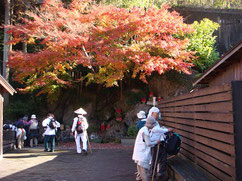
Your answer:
<point x="227" y="69"/>
<point x="209" y="119"/>
<point x="5" y="87"/>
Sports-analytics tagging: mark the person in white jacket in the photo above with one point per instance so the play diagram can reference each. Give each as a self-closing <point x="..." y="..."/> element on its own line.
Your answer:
<point x="79" y="130"/>
<point x="141" y="154"/>
<point x="50" y="125"/>
<point x="158" y="133"/>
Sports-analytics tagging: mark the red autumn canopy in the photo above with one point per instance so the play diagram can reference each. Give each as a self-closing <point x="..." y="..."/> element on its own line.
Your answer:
<point x="103" y="43"/>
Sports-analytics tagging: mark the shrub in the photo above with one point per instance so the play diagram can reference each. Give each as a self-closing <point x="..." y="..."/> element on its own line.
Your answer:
<point x="202" y="41"/>
<point x="132" y="131"/>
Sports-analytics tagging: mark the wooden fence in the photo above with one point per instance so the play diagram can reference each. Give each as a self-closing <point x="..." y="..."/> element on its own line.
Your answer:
<point x="205" y="121"/>
<point x="9" y="140"/>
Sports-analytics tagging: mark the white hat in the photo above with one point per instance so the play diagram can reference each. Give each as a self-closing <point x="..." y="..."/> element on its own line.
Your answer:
<point x="153" y="109"/>
<point x="33" y="116"/>
<point x="80" y="111"/>
<point x="141" y="115"/>
<point x="150" y="122"/>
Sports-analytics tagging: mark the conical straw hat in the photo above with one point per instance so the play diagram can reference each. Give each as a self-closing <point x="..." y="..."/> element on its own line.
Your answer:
<point x="80" y="111"/>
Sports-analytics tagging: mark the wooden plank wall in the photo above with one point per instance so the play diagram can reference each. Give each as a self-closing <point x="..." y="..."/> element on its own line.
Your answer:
<point x="232" y="72"/>
<point x="1" y="126"/>
<point x="204" y="119"/>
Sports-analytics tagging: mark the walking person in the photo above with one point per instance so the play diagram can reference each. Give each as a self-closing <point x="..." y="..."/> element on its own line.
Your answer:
<point x="20" y="137"/>
<point x="142" y="152"/>
<point x="20" y="132"/>
<point x="50" y="125"/>
<point x="33" y="131"/>
<point x="79" y="131"/>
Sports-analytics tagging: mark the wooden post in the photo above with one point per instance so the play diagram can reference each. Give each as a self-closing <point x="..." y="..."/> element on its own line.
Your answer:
<point x="237" y="115"/>
<point x="1" y="126"/>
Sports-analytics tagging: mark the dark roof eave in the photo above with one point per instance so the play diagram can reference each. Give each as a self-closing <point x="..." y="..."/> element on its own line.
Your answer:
<point x="7" y="86"/>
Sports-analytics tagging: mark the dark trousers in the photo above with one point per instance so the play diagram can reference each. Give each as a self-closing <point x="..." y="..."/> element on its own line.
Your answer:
<point x="51" y="139"/>
<point x="161" y="160"/>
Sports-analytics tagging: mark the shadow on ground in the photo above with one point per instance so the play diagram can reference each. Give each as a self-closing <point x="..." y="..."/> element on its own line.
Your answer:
<point x="101" y="165"/>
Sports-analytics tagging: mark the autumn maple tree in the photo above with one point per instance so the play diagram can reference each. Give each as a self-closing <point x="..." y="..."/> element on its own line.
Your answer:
<point x="103" y="43"/>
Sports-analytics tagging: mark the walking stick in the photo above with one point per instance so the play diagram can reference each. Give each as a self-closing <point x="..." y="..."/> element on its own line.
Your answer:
<point x="88" y="142"/>
<point x="157" y="153"/>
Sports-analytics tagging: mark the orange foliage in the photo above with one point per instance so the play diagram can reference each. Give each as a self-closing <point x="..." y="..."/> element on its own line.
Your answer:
<point x="109" y="41"/>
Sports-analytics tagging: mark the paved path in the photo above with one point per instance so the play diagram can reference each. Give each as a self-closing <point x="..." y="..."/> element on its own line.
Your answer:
<point x="65" y="165"/>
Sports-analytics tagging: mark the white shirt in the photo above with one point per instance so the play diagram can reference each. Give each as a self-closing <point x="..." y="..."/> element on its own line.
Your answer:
<point x="84" y="124"/>
<point x="158" y="133"/>
<point x="142" y="154"/>
<point x="48" y="130"/>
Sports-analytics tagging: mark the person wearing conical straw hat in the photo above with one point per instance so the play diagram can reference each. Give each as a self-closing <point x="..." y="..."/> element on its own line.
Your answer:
<point x="79" y="130"/>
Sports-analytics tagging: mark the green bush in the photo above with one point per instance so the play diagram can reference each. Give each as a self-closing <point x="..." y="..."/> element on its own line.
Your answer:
<point x="132" y="131"/>
<point x="203" y="43"/>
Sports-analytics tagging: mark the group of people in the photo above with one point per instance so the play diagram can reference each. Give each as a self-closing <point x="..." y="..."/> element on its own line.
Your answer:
<point x="150" y="140"/>
<point x="149" y="152"/>
<point x="27" y="131"/>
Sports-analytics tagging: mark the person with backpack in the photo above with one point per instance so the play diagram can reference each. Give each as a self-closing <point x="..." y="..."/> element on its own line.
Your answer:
<point x="50" y="125"/>
<point x="158" y="162"/>
<point x="33" y="131"/>
<point x="79" y="130"/>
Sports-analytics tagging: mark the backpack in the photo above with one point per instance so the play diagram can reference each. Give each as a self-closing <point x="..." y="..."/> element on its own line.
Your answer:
<point x="34" y="124"/>
<point x="20" y="123"/>
<point x="172" y="143"/>
<point x="52" y="124"/>
<point x="79" y="129"/>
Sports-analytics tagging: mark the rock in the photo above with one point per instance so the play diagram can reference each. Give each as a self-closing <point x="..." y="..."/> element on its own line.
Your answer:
<point x="68" y="116"/>
<point x="131" y="116"/>
<point x="117" y="129"/>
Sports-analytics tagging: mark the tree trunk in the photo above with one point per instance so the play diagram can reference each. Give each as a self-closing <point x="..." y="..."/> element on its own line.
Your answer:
<point x="121" y="90"/>
<point x="24" y="47"/>
<point x="6" y="47"/>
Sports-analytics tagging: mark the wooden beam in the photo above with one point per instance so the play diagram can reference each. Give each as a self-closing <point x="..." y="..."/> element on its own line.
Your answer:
<point x="237" y="105"/>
